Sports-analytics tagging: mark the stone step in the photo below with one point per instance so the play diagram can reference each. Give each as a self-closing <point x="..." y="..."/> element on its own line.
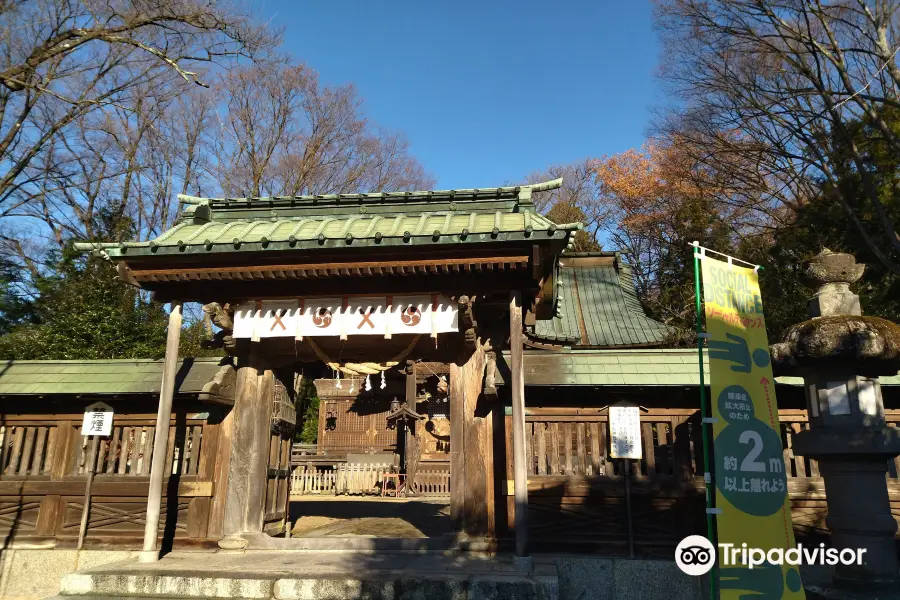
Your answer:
<point x="113" y="583"/>
<point x="449" y="587"/>
<point x="446" y="544"/>
<point x="302" y="576"/>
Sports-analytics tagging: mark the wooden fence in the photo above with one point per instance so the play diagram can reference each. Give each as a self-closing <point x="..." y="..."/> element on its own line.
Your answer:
<point x="44" y="466"/>
<point x="577" y="493"/>
<point x="341" y="478"/>
<point x="360" y="479"/>
<point x="306" y="480"/>
<point x="433" y="482"/>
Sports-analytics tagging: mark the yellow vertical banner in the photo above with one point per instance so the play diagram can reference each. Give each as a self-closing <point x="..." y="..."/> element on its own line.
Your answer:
<point x="751" y="485"/>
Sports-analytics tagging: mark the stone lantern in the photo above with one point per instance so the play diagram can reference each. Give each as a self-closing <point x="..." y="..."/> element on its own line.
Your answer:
<point x="840" y="354"/>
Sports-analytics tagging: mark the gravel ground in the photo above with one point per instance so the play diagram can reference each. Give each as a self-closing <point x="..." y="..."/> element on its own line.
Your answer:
<point x="369" y="516"/>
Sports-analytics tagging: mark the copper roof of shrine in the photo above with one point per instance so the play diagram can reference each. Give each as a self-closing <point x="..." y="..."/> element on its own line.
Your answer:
<point x="114" y="377"/>
<point x="598" y="306"/>
<point x="625" y="367"/>
<point x="286" y="223"/>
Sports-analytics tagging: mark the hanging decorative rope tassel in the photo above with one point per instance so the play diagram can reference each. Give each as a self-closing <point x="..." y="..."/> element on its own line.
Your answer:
<point x="368" y="384"/>
<point x="383" y="384"/>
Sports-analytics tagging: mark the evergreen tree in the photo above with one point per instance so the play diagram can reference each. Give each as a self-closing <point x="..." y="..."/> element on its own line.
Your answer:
<point x="308" y="407"/>
<point x="82" y="312"/>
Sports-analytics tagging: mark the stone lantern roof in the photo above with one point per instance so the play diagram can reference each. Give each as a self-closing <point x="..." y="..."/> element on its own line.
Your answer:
<point x="838" y="333"/>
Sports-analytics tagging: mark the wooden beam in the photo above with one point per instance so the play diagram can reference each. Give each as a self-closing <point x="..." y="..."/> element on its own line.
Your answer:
<point x="159" y="463"/>
<point x="394" y="284"/>
<point x="336" y="268"/>
<point x="520" y="469"/>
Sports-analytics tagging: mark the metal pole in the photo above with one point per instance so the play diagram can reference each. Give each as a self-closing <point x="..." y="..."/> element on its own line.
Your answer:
<point x="90" y="466"/>
<point x="158" y="465"/>
<point x="710" y="524"/>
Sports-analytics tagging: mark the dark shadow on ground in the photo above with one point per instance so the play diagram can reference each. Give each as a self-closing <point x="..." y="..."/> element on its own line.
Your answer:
<point x="428" y="516"/>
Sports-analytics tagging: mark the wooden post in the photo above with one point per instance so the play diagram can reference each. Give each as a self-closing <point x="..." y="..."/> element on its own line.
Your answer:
<point x="90" y="467"/>
<point x="159" y="464"/>
<point x="520" y="472"/>
<point x="457" y="454"/>
<point x="626" y="471"/>
<point x="411" y="385"/>
<point x="245" y="497"/>
<point x="471" y="450"/>
<point x="407" y="424"/>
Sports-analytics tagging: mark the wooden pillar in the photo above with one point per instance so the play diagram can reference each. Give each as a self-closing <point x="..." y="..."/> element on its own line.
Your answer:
<point x="520" y="472"/>
<point x="159" y="463"/>
<point x="245" y="497"/>
<point x="471" y="449"/>
<point x="406" y="424"/>
<point x="457" y="453"/>
<point x="411" y="385"/>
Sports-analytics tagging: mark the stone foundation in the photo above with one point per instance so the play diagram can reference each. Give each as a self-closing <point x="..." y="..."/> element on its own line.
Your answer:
<point x="36" y="574"/>
<point x="27" y="574"/>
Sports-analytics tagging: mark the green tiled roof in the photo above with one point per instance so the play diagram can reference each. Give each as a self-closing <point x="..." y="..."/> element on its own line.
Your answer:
<point x="220" y="225"/>
<point x="318" y="231"/>
<point x="650" y="367"/>
<point x="602" y="298"/>
<point x="99" y="377"/>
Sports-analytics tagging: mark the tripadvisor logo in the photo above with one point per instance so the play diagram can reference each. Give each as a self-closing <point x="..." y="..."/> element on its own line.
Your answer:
<point x="695" y="555"/>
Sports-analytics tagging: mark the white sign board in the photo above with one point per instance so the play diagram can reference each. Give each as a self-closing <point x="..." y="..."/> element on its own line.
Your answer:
<point x="316" y="317"/>
<point x="625" y="432"/>
<point x="98" y="419"/>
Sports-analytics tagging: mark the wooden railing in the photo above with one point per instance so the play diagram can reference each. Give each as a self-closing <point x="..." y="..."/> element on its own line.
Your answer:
<point x="578" y="494"/>
<point x="433" y="482"/>
<point x="341" y="478"/>
<point x="575" y="442"/>
<point x="128" y="451"/>
<point x="44" y="466"/>
<point x="306" y="480"/>
<point x="360" y="479"/>
<point x="26" y="450"/>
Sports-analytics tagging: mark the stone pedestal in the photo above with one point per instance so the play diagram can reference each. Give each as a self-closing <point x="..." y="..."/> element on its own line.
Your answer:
<point x="855" y="488"/>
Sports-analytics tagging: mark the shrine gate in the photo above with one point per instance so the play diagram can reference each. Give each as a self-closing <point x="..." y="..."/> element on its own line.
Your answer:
<point x="358" y="284"/>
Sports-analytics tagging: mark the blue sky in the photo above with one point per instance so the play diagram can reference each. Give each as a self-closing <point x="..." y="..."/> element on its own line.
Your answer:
<point x="488" y="91"/>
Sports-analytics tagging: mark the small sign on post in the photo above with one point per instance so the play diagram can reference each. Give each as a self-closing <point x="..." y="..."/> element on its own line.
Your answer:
<point x="625" y="431"/>
<point x="98" y="418"/>
<point x="625" y="444"/>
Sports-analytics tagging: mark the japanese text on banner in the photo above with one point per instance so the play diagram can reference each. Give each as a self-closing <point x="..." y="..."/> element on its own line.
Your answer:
<point x="751" y="485"/>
